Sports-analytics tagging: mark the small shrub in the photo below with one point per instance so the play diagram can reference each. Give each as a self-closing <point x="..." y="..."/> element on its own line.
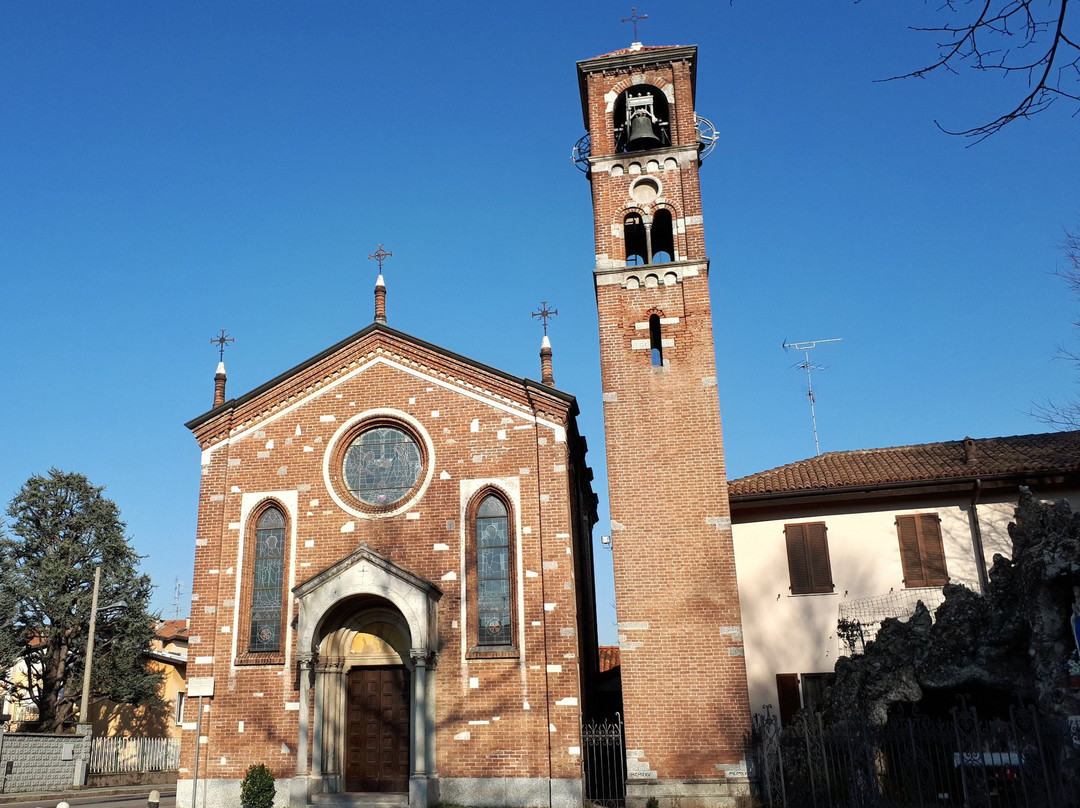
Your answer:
<point x="257" y="789"/>
<point x="652" y="802"/>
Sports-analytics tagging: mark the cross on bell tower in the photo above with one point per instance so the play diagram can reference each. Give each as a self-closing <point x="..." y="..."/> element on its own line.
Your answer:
<point x="675" y="589"/>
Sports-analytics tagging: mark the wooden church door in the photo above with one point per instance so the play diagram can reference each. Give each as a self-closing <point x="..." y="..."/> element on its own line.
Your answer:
<point x="377" y="726"/>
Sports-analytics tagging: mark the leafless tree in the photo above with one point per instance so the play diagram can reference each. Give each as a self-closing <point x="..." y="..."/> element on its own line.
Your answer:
<point x="1033" y="38"/>
<point x="1065" y="415"/>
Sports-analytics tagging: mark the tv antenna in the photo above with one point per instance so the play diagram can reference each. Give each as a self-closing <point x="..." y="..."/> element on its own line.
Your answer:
<point x="807" y="365"/>
<point x="178" y="589"/>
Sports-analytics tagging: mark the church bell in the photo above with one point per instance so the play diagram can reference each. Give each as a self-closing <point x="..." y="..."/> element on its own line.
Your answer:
<point x="643" y="133"/>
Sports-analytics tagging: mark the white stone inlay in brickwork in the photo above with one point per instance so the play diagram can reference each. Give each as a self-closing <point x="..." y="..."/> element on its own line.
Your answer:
<point x="348" y="527"/>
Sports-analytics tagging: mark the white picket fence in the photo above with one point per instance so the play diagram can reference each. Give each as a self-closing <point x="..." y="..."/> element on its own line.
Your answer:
<point x="124" y="755"/>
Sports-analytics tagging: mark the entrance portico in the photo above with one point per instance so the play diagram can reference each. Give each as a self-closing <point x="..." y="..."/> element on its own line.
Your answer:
<point x="367" y="637"/>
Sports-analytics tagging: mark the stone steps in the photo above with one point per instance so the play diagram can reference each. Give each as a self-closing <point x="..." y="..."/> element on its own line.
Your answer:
<point x="361" y="799"/>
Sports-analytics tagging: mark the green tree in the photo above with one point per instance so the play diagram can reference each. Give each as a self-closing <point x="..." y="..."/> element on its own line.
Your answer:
<point x="61" y="528"/>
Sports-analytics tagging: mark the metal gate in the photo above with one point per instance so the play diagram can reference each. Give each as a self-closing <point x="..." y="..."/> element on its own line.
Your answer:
<point x="913" y="761"/>
<point x="604" y="762"/>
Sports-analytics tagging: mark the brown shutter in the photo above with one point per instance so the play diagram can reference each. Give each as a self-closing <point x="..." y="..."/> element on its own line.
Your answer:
<point x="908" y="531"/>
<point x="797" y="561"/>
<point x="932" y="550"/>
<point x="818" y="549"/>
<point x="787" y="696"/>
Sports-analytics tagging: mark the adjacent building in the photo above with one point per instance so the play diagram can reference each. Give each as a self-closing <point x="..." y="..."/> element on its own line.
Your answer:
<point x="851" y="538"/>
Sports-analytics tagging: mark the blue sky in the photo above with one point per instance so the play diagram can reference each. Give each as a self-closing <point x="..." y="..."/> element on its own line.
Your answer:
<point x="169" y="169"/>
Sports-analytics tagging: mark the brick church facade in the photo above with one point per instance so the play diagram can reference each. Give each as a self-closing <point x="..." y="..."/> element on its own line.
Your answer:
<point x="392" y="530"/>
<point x="393" y="589"/>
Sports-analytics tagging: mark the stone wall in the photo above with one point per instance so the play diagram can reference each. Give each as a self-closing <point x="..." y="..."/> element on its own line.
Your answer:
<point x="41" y="762"/>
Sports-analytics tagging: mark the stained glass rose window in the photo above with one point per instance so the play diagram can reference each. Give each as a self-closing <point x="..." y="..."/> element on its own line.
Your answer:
<point x="381" y="466"/>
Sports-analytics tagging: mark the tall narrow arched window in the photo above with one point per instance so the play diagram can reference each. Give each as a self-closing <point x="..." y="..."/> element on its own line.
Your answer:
<point x="494" y="624"/>
<point x="656" y="344"/>
<point x="637" y="251"/>
<point x="663" y="239"/>
<point x="268" y="575"/>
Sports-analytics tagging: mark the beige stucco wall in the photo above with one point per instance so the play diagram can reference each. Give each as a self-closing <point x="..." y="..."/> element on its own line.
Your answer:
<point x="788" y="633"/>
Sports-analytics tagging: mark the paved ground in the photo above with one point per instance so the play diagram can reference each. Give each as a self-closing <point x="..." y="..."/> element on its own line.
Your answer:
<point x="118" y="797"/>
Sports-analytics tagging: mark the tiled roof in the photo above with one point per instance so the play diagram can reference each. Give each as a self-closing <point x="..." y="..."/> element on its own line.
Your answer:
<point x="925" y="462"/>
<point x="168" y="629"/>
<point x="609" y="657"/>
<point x="639" y="49"/>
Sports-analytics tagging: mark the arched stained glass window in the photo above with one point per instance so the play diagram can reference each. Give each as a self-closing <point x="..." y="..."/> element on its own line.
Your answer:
<point x="267" y="578"/>
<point x="493" y="599"/>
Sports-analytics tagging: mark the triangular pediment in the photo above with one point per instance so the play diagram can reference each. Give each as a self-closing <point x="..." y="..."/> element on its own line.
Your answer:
<point x="377" y="345"/>
<point x="353" y="565"/>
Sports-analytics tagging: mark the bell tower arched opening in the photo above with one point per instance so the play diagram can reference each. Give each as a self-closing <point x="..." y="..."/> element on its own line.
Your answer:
<point x="641" y="119"/>
<point x="663" y="237"/>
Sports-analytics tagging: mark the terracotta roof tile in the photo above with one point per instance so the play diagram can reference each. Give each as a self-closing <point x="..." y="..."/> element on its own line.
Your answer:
<point x="609" y="657"/>
<point x="924" y="462"/>
<point x="167" y="629"/>
<point x="626" y="51"/>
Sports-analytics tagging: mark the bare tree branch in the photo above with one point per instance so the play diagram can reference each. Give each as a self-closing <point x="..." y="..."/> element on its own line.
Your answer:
<point x="1064" y="415"/>
<point x="1011" y="37"/>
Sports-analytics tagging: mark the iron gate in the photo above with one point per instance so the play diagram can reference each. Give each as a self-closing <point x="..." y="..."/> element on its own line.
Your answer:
<point x="604" y="762"/>
<point x="913" y="762"/>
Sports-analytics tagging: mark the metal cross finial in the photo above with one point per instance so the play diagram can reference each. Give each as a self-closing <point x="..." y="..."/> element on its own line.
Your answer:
<point x="545" y="314"/>
<point x="220" y="341"/>
<point x="380" y="255"/>
<point x="634" y="18"/>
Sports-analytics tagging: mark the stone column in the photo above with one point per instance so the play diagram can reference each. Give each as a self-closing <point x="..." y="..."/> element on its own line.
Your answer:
<point x="419" y="658"/>
<point x="298" y="791"/>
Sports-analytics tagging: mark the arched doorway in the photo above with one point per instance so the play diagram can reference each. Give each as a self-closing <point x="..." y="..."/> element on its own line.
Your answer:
<point x="366" y="638"/>
<point x="365" y="684"/>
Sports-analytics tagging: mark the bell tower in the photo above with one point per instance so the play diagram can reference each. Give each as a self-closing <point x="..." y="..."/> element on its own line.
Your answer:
<point x="680" y="628"/>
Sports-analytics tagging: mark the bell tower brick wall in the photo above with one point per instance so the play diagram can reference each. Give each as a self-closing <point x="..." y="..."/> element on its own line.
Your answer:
<point x="680" y="629"/>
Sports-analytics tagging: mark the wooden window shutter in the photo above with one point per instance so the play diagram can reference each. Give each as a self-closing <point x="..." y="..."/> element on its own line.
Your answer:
<point x="933" y="551"/>
<point x="817" y="546"/>
<point x="910" y="557"/>
<point x="921" y="550"/>
<point x="808" y="558"/>
<point x="798" y="560"/>
<point x="787" y="696"/>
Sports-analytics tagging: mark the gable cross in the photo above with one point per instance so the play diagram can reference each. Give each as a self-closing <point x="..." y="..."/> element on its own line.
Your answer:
<point x="635" y="18"/>
<point x="220" y="341"/>
<point x="380" y="255"/>
<point x="545" y="314"/>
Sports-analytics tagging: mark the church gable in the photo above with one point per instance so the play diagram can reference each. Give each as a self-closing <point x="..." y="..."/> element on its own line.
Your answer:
<point x="328" y="375"/>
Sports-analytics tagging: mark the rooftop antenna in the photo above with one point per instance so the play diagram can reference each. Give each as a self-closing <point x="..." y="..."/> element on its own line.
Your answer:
<point x="807" y="365"/>
<point x="178" y="589"/>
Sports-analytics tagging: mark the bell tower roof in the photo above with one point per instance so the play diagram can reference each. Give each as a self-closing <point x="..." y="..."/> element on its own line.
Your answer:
<point x="636" y="56"/>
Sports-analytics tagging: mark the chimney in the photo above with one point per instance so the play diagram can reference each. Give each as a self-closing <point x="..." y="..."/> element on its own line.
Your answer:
<point x="969" y="450"/>
<point x="219" y="385"/>
<point x="546" y="376"/>
<point x="380" y="300"/>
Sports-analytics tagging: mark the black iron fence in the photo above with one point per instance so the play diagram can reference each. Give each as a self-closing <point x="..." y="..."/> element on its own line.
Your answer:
<point x="604" y="762"/>
<point x="915" y="762"/>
